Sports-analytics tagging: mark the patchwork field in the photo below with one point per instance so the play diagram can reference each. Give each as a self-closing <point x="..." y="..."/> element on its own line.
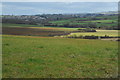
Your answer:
<point x="50" y="57"/>
<point x="97" y="22"/>
<point x="32" y="30"/>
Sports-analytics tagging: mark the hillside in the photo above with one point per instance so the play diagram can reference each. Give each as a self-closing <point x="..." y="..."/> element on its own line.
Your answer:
<point x="86" y="20"/>
<point x="99" y="22"/>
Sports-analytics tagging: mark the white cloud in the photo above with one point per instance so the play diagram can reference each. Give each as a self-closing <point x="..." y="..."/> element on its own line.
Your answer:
<point x="60" y="0"/>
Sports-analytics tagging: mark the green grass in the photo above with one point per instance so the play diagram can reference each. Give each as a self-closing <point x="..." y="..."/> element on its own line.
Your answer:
<point x="57" y="28"/>
<point x="39" y="27"/>
<point x="44" y="57"/>
<point x="112" y="33"/>
<point x="68" y="21"/>
<point x="103" y="22"/>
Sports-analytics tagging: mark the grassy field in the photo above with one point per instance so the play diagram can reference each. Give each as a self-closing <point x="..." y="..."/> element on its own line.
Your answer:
<point x="111" y="18"/>
<point x="50" y="57"/>
<point x="4" y="25"/>
<point x="111" y="33"/>
<point x="37" y="27"/>
<point x="56" y="28"/>
<point x="68" y="21"/>
<point x="106" y="21"/>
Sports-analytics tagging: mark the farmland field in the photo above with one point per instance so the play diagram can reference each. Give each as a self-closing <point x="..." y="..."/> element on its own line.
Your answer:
<point x="47" y="40"/>
<point x="103" y="22"/>
<point x="88" y="19"/>
<point x="111" y="33"/>
<point x="37" y="51"/>
<point x="32" y="31"/>
<point x="5" y="25"/>
<point x="50" y="57"/>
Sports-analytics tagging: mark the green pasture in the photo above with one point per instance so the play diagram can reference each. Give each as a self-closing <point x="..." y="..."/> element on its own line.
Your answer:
<point x="45" y="57"/>
<point x="56" y="28"/>
<point x="103" y="21"/>
<point x="67" y="21"/>
<point x="39" y="27"/>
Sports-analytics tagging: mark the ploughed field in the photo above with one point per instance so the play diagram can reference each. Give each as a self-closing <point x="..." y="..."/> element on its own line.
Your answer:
<point x="53" y="57"/>
<point x="32" y="31"/>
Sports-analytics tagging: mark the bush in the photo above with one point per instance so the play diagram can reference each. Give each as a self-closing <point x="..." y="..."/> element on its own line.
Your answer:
<point x="91" y="37"/>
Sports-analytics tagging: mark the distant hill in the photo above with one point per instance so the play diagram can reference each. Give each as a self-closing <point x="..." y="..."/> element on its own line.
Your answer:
<point x="109" y="12"/>
<point x="103" y="20"/>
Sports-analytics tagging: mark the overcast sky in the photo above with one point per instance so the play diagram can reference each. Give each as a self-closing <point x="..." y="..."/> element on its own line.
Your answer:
<point x="31" y="8"/>
<point x="60" y="0"/>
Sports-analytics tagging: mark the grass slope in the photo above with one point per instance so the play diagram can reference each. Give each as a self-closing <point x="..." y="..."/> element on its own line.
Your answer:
<point x="39" y="57"/>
